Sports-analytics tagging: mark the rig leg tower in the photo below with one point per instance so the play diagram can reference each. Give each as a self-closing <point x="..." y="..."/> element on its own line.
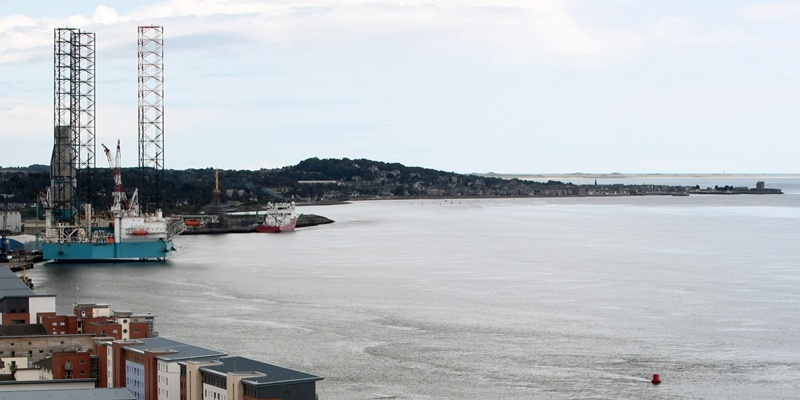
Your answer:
<point x="73" y="160"/>
<point x="151" y="116"/>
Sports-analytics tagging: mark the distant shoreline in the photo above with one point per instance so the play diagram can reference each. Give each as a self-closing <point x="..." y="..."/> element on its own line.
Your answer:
<point x="615" y="175"/>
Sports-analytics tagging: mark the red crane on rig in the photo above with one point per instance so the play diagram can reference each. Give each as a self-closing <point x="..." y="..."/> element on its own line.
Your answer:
<point x="121" y="202"/>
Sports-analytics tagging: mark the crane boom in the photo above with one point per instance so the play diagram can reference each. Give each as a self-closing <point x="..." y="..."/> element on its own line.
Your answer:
<point x="120" y="198"/>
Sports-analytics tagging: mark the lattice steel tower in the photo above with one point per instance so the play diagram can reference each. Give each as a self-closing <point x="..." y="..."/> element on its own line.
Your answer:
<point x="73" y="160"/>
<point x="151" y="116"/>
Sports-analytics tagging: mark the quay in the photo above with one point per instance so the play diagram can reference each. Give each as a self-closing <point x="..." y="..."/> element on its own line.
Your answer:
<point x="242" y="224"/>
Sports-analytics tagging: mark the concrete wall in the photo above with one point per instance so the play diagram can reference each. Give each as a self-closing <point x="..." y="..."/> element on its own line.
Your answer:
<point x="11" y="221"/>
<point x="48" y="385"/>
<point x="41" y="347"/>
<point x="18" y="362"/>
<point x="169" y="381"/>
<point x="194" y="379"/>
<point x="40" y="304"/>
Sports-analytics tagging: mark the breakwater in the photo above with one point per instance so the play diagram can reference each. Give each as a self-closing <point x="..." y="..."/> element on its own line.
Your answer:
<point x="246" y="224"/>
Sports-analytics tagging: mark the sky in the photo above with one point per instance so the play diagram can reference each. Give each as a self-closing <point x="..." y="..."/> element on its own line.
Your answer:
<point x="545" y="86"/>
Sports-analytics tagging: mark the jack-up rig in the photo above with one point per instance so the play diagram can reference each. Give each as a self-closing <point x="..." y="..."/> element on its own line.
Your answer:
<point x="74" y="232"/>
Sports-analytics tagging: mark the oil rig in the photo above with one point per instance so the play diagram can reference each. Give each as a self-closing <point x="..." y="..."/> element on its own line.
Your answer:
<point x="74" y="231"/>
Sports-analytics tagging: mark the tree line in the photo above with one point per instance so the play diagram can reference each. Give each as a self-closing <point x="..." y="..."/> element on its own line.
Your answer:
<point x="190" y="190"/>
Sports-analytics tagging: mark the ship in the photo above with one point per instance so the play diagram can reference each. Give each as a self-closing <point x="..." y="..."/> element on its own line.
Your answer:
<point x="122" y="233"/>
<point x="280" y="217"/>
<point x="126" y="235"/>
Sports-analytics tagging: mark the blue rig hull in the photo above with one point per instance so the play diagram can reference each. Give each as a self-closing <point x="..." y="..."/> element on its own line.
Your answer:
<point x="132" y="250"/>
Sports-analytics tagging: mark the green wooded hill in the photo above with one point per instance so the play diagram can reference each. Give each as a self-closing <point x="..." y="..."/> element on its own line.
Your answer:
<point x="313" y="179"/>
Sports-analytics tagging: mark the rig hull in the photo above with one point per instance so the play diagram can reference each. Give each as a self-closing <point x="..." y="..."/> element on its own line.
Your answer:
<point x="84" y="252"/>
<point x="128" y="236"/>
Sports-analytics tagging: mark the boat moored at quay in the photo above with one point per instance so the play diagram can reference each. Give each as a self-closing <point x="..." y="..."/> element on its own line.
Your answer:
<point x="280" y="217"/>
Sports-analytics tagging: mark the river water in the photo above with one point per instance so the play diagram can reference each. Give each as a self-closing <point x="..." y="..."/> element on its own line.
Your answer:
<point x="556" y="298"/>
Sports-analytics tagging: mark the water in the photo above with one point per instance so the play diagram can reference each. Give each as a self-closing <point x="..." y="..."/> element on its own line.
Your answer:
<point x="499" y="298"/>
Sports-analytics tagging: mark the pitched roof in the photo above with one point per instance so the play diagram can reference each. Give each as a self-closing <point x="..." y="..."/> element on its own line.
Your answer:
<point x="12" y="286"/>
<point x="23" y="330"/>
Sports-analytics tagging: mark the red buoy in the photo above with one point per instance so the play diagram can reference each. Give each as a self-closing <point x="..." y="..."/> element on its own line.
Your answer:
<point x="656" y="379"/>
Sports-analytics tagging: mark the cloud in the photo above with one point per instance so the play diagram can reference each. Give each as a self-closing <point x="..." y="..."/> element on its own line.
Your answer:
<point x="16" y="21"/>
<point x="106" y="15"/>
<point x="542" y="32"/>
<point x="771" y="12"/>
<point x="20" y="37"/>
<point x="509" y="31"/>
<point x="683" y="31"/>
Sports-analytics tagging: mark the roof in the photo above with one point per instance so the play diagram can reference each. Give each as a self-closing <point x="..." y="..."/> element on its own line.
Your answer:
<point x="45" y="363"/>
<point x="77" y="394"/>
<point x="12" y="286"/>
<point x="178" y="351"/>
<point x="23" y="330"/>
<point x="271" y="374"/>
<point x="23" y="238"/>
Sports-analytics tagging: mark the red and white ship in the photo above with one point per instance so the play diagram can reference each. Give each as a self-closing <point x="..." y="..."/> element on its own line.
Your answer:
<point x="280" y="217"/>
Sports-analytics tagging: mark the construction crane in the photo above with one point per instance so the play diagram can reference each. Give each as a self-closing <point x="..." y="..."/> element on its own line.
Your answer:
<point x="121" y="202"/>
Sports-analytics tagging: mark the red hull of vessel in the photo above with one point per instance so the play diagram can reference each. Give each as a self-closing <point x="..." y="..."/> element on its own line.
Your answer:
<point x="275" y="229"/>
<point x="267" y="229"/>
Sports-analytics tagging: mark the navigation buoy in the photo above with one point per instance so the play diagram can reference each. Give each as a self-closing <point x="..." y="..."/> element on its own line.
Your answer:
<point x="656" y="379"/>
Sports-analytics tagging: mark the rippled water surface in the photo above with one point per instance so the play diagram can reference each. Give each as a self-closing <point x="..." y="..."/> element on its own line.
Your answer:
<point x="503" y="299"/>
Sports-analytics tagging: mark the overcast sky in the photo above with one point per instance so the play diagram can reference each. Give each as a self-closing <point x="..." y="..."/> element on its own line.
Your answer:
<point x="457" y="85"/>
